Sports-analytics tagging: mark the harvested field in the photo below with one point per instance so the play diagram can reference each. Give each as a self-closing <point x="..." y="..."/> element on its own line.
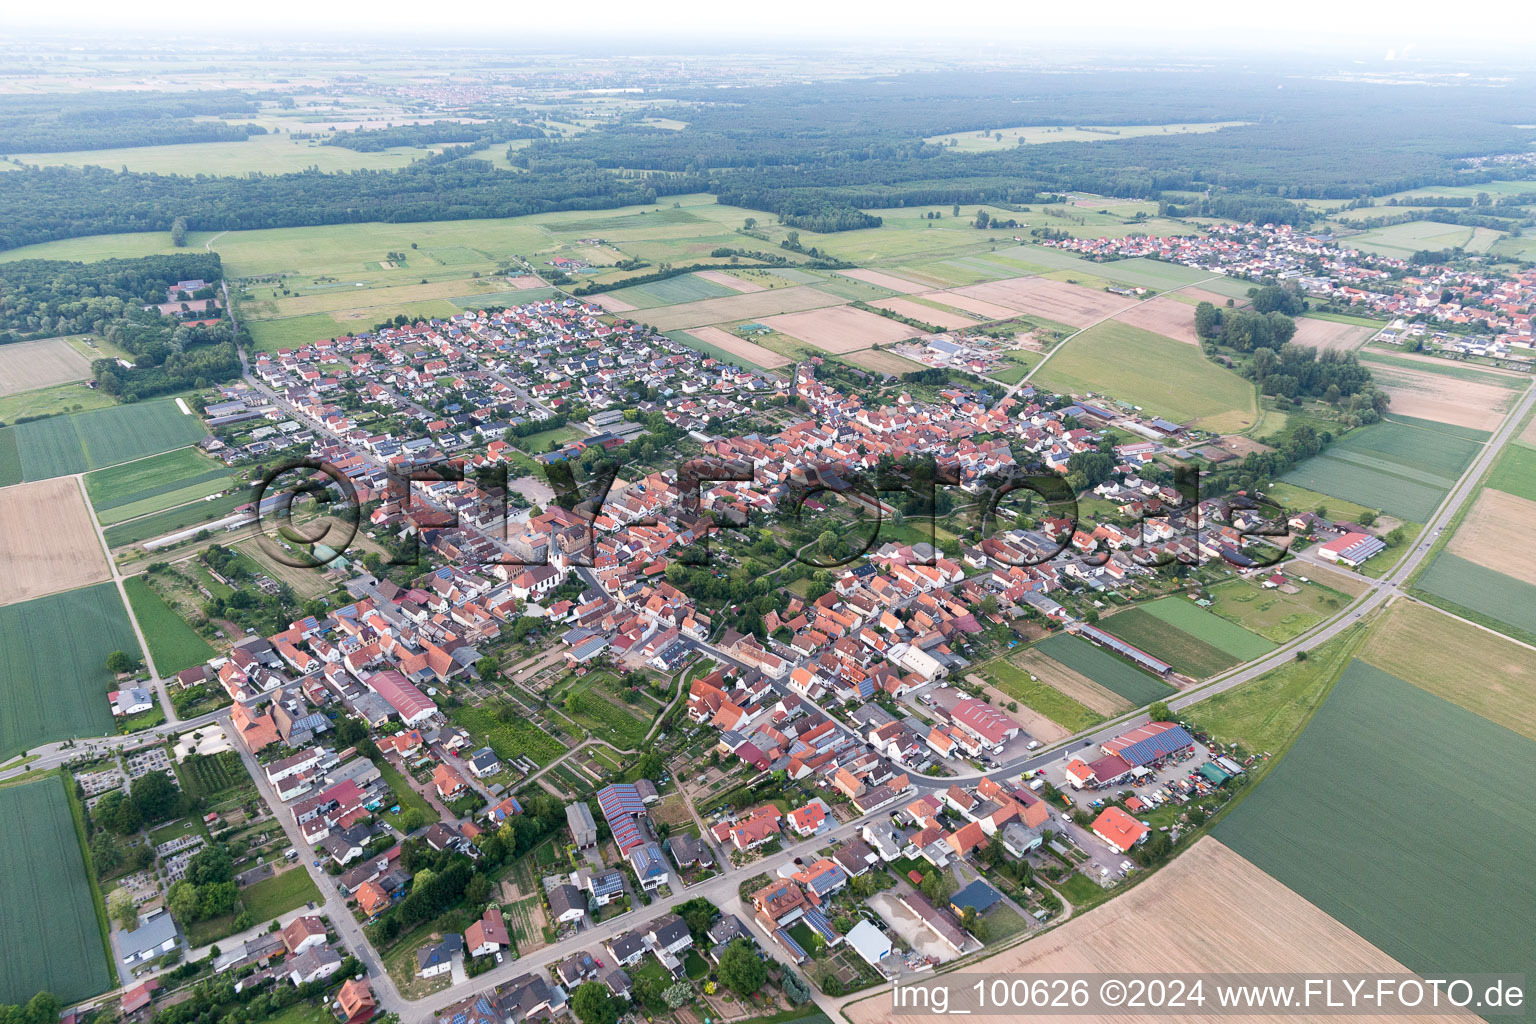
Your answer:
<point x="1209" y="911"/>
<point x="749" y="306"/>
<point x="735" y="284"/>
<point x="756" y="354"/>
<point x="1215" y="299"/>
<point x="28" y="365"/>
<point x="926" y="314"/>
<point x="612" y="304"/>
<point x="1057" y="300"/>
<point x="1239" y="445"/>
<point x="841" y="328"/>
<point x="1326" y="335"/>
<point x="1484" y="673"/>
<point x="1075" y="685"/>
<point x="1425" y="394"/>
<point x="523" y="282"/>
<point x="1162" y="315"/>
<point x="1496" y="534"/>
<point x="47" y="540"/>
<point x="980" y="307"/>
<point x="1438" y="899"/>
<point x="883" y="362"/>
<point x="1337" y="579"/>
<point x="883" y="280"/>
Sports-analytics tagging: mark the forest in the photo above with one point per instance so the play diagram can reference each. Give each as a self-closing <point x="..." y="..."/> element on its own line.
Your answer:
<point x="43" y="298"/>
<point x="372" y="140"/>
<point x="62" y="122"/>
<point x="817" y="155"/>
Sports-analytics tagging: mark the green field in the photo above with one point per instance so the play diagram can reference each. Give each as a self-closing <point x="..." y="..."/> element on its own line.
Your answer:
<point x="151" y="485"/>
<point x="1136" y="686"/>
<point x="172" y="643"/>
<point x="1468" y="587"/>
<point x="1403" y="240"/>
<point x="1274" y="615"/>
<point x="10" y="458"/>
<point x="1300" y="499"/>
<point x="509" y="739"/>
<point x="83" y="441"/>
<point x="279" y="894"/>
<point x="683" y="288"/>
<point x="173" y="519"/>
<point x="53" y="677"/>
<point x="1515" y="472"/>
<point x="606" y="720"/>
<point x="52" y="401"/>
<point x="1163" y="376"/>
<point x="1210" y="628"/>
<point x="292" y="331"/>
<point x="1189" y="655"/>
<point x="1330" y="823"/>
<point x="50" y="936"/>
<point x="1402" y="468"/>
<point x="1037" y="696"/>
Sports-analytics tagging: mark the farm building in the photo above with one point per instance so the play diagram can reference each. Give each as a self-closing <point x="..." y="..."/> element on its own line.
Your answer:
<point x="1352" y="549"/>
<point x="1147" y="743"/>
<point x="1118" y="829"/>
<point x="1120" y="647"/>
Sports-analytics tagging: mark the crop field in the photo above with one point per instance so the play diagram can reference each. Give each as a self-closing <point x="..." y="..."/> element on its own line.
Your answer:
<point x="1425" y="394"/>
<point x="1189" y="655"/>
<point x="61" y="445"/>
<point x="1105" y="669"/>
<point x="1301" y="499"/>
<point x="45" y="881"/>
<point x="291" y="331"/>
<point x="1480" y="671"/>
<point x="1402" y="240"/>
<point x="672" y="290"/>
<point x="53" y="401"/>
<point x="1073" y="684"/>
<point x="926" y="314"/>
<point x="741" y="348"/>
<point x="746" y="306"/>
<point x="181" y="517"/>
<point x="1190" y="618"/>
<point x="604" y="719"/>
<point x="153" y="484"/>
<point x="1163" y="315"/>
<point x="1497" y="533"/>
<point x="10" y="458"/>
<point x="882" y="361"/>
<point x="1400" y="468"/>
<point x="1040" y="696"/>
<point x="1515" y="472"/>
<point x="1514" y="380"/>
<point x="28" y="365"/>
<point x="1209" y="911"/>
<point x="971" y="304"/>
<point x="172" y="643"/>
<point x="1057" y="300"/>
<point x="1436" y="899"/>
<point x="883" y="280"/>
<point x="730" y="281"/>
<point x="54" y="678"/>
<point x="839" y="329"/>
<point x="1486" y="593"/>
<point x="47" y="541"/>
<point x="1164" y="376"/>
<point x="1273" y="614"/>
<point x="1329" y="336"/>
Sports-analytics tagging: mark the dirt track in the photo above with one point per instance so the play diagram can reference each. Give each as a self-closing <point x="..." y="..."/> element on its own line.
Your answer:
<point x="47" y="540"/>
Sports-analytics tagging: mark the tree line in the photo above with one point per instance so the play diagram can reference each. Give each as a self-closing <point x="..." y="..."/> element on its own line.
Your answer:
<point x="373" y="140"/>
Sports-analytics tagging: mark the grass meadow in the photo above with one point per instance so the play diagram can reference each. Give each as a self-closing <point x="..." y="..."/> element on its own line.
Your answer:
<point x="1329" y="822"/>
<point x="1188" y="654"/>
<point x="50" y="934"/>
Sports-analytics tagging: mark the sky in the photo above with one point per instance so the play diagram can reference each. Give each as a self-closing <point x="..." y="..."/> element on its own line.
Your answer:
<point x="1374" y="28"/>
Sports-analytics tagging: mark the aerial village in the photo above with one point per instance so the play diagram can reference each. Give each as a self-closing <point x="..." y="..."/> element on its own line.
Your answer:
<point x="817" y="796"/>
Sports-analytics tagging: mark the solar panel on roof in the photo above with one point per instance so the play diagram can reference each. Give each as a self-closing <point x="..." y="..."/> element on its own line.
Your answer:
<point x="1153" y="747"/>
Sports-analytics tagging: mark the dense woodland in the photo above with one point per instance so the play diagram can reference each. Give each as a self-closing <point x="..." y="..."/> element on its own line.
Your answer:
<point x="43" y="298"/>
<point x="59" y="123"/>
<point x="817" y="154"/>
<point x="372" y="140"/>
